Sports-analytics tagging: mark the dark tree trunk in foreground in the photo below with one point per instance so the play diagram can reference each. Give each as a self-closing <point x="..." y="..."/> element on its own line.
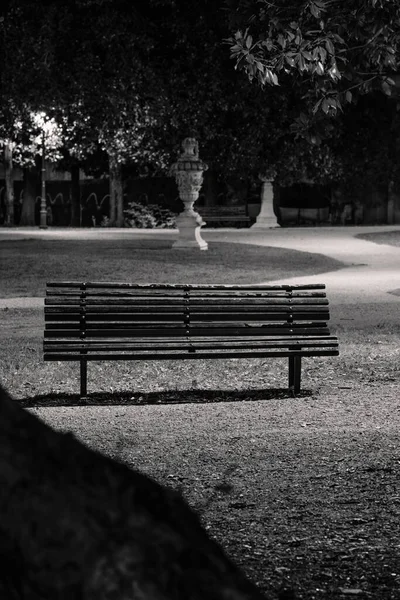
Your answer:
<point x="8" y="175"/>
<point x="75" y="524"/>
<point x="30" y="194"/>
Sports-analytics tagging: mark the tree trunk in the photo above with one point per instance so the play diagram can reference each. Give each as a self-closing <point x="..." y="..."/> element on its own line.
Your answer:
<point x="9" y="184"/>
<point x="30" y="195"/>
<point x="93" y="524"/>
<point x="210" y="189"/>
<point x="393" y="200"/>
<point x="393" y="153"/>
<point x="116" y="192"/>
<point x="75" y="197"/>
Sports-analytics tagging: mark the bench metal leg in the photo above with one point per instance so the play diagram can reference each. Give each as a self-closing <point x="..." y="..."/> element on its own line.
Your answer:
<point x="83" y="378"/>
<point x="294" y="373"/>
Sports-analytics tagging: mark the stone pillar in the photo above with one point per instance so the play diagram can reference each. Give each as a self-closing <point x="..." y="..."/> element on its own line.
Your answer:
<point x="266" y="219"/>
<point x="188" y="172"/>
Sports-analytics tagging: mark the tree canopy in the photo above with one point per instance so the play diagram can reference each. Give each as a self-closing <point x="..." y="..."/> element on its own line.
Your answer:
<point x="85" y="61"/>
<point x="118" y="79"/>
<point x="128" y="81"/>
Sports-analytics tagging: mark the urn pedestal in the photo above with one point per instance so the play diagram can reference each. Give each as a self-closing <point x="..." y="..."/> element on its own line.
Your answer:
<point x="188" y="173"/>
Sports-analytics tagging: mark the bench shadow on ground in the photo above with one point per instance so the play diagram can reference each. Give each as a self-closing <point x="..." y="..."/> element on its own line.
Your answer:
<point x="127" y="398"/>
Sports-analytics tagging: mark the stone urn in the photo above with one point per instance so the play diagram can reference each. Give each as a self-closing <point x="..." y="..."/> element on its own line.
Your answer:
<point x="188" y="172"/>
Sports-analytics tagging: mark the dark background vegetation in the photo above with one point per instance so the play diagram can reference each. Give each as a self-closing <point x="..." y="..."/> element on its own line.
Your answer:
<point x="129" y="81"/>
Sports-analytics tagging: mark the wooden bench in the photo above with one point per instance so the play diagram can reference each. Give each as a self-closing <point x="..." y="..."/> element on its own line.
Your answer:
<point x="218" y="215"/>
<point x="126" y="321"/>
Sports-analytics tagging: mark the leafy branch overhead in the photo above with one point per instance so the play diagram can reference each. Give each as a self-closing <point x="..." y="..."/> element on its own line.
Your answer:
<point x="334" y="50"/>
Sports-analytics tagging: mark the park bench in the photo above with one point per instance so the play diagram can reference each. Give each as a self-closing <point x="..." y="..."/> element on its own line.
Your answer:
<point x="126" y="321"/>
<point x="218" y="215"/>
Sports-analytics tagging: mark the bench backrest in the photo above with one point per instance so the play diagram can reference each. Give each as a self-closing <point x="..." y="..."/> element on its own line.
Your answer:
<point x="217" y="211"/>
<point x="118" y="310"/>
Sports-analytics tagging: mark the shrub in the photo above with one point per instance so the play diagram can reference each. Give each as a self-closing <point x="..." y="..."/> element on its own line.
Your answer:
<point x="148" y="217"/>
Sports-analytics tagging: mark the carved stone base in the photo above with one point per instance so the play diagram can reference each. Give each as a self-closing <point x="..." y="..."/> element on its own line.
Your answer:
<point x="189" y="232"/>
<point x="265" y="223"/>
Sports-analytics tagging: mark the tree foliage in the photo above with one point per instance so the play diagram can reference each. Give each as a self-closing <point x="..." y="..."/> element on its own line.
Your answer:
<point x="334" y="51"/>
<point x="122" y="83"/>
<point x="340" y="61"/>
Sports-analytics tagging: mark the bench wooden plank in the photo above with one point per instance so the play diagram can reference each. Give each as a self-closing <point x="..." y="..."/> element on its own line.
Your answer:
<point x="201" y="342"/>
<point x="122" y="330"/>
<point x="224" y="208"/>
<point x="265" y="353"/>
<point x="275" y="314"/>
<point x="222" y="219"/>
<point x="109" y="295"/>
<point x="220" y="302"/>
<point x="165" y="334"/>
<point x="192" y="287"/>
<point x="240" y="310"/>
<point x="217" y="214"/>
<point x="159" y="349"/>
<point x="125" y="330"/>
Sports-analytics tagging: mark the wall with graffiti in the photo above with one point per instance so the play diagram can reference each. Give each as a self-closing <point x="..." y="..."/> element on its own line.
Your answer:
<point x="94" y="199"/>
<point x="299" y="205"/>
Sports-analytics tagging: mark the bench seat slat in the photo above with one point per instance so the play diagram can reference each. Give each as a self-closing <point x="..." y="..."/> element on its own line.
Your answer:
<point x="195" y="342"/>
<point x="198" y="351"/>
<point x="253" y="321"/>
<point x="209" y="292"/>
<point x="124" y="331"/>
<point x="280" y="315"/>
<point x="224" y="218"/>
<point x="52" y="295"/>
<point x="296" y="337"/>
<point x="206" y="345"/>
<point x="68" y="330"/>
<point x="225" y="326"/>
<point x="180" y="308"/>
<point x="264" y="353"/>
<point x="165" y="302"/>
<point x="52" y="305"/>
<point x="256" y="301"/>
<point x="122" y="317"/>
<point x="275" y="314"/>
<point x="270" y="314"/>
<point x="163" y="287"/>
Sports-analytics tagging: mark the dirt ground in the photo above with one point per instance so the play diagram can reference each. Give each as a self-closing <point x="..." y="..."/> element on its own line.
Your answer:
<point x="302" y="492"/>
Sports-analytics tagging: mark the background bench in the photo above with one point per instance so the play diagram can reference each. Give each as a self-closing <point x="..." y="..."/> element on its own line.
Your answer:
<point x="122" y="321"/>
<point x="219" y="215"/>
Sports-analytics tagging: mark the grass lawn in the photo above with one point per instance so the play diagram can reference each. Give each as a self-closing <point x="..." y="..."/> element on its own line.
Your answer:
<point x="392" y="238"/>
<point x="302" y="492"/>
<point x="26" y="265"/>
